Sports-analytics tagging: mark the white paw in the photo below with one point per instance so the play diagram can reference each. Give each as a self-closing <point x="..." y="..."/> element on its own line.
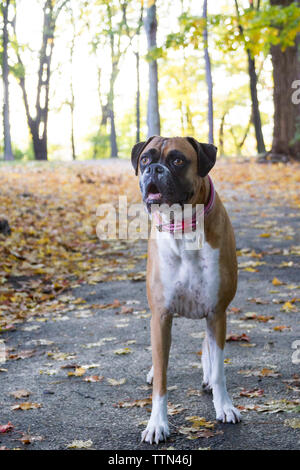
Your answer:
<point x="157" y="430"/>
<point x="227" y="413"/>
<point x="149" y="378"/>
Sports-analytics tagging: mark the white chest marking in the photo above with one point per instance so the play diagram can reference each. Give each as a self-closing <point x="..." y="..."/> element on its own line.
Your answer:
<point x="190" y="278"/>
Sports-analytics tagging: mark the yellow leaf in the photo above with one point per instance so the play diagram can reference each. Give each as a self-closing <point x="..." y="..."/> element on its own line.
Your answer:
<point x="276" y="282"/>
<point x="288" y="307"/>
<point x="78" y="372"/>
<point x="77" y="444"/>
<point x="293" y="423"/>
<point x="115" y="382"/>
<point x="199" y="421"/>
<point x="123" y="351"/>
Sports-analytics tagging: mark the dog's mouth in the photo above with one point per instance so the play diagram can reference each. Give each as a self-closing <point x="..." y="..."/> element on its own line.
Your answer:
<point x="153" y="194"/>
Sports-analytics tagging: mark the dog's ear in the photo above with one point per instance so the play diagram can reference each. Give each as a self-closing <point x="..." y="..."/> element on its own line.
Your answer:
<point x="136" y="152"/>
<point x="206" y="154"/>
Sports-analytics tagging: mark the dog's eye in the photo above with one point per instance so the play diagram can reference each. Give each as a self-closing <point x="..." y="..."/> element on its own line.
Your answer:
<point x="145" y="160"/>
<point x="178" y="161"/>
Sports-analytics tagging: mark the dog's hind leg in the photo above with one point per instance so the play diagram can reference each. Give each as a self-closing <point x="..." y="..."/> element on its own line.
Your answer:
<point x="206" y="367"/>
<point x="149" y="378"/>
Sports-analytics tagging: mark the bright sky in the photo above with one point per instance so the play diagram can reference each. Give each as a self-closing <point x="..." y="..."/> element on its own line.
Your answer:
<point x="87" y="111"/>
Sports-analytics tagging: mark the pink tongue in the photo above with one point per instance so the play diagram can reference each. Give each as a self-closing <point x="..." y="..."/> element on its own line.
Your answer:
<point x="154" y="196"/>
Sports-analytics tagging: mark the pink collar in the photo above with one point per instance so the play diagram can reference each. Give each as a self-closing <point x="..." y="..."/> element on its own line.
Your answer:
<point x="187" y="225"/>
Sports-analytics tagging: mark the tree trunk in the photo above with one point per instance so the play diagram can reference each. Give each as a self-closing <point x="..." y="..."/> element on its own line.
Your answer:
<point x="113" y="136"/>
<point x="39" y="148"/>
<point x="153" y="118"/>
<point x="111" y="113"/>
<point x="255" y="105"/>
<point x="253" y="86"/>
<point x="39" y="124"/>
<point x="286" y="70"/>
<point x="209" y="81"/>
<point x="221" y="135"/>
<point x="72" y="125"/>
<point x="8" y="154"/>
<point x="138" y="100"/>
<point x="72" y="101"/>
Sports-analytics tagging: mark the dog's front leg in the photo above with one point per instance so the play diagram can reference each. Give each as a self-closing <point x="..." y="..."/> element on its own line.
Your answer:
<point x="157" y="428"/>
<point x="216" y="335"/>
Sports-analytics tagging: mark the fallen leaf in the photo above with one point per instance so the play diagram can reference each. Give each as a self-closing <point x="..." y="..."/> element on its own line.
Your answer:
<point x="175" y="409"/>
<point x="253" y="393"/>
<point x="126" y="310"/>
<point x="123" y="351"/>
<point x="288" y="307"/>
<point x="198" y="422"/>
<point x="272" y="406"/>
<point x="6" y="427"/>
<point x="292" y="423"/>
<point x="78" y="372"/>
<point x="234" y="310"/>
<point x="77" y="444"/>
<point x="22" y="354"/>
<point x="115" y="382"/>
<point x="93" y="378"/>
<point x="27" y="439"/>
<point x="281" y="328"/>
<point x="139" y="403"/>
<point x="258" y="301"/>
<point x="265" y="372"/>
<point x="277" y="282"/>
<point x="294" y="383"/>
<point x="26" y="406"/>
<point x="242" y="337"/>
<point x="20" y="393"/>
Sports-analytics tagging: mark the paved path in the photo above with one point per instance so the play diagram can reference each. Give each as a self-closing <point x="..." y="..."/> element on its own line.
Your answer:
<point x="61" y="351"/>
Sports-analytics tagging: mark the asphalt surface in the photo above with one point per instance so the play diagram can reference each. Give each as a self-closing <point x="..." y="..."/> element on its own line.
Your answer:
<point x="114" y="343"/>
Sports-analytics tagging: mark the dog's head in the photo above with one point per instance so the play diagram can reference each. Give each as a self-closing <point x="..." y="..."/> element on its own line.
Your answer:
<point x="172" y="169"/>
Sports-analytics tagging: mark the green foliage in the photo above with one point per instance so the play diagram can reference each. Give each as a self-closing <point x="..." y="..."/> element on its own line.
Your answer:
<point x="155" y="53"/>
<point x="20" y="154"/>
<point x="25" y="155"/>
<point x="100" y="146"/>
<point x="191" y="32"/>
<point x="261" y="28"/>
<point x="271" y="25"/>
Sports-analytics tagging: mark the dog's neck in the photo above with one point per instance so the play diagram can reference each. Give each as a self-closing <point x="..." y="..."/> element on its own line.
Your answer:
<point x="189" y="223"/>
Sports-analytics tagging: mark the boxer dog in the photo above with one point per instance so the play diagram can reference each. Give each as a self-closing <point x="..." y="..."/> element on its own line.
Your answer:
<point x="199" y="283"/>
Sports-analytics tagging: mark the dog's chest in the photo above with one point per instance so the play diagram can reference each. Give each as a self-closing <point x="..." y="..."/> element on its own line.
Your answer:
<point x="190" y="279"/>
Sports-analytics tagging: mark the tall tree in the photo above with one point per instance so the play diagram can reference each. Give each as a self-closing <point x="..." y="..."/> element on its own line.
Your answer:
<point x="71" y="102"/>
<point x="153" y="118"/>
<point x="256" y="119"/>
<point x="286" y="69"/>
<point x="38" y="124"/>
<point x="138" y="87"/>
<point x="132" y="33"/>
<point x="110" y="36"/>
<point x="8" y="154"/>
<point x="208" y="75"/>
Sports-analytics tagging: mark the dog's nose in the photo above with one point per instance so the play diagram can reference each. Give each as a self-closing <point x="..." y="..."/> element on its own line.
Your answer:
<point x="155" y="168"/>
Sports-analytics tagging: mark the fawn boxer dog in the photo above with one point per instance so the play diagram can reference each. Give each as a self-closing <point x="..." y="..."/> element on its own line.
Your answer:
<point x="191" y="283"/>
